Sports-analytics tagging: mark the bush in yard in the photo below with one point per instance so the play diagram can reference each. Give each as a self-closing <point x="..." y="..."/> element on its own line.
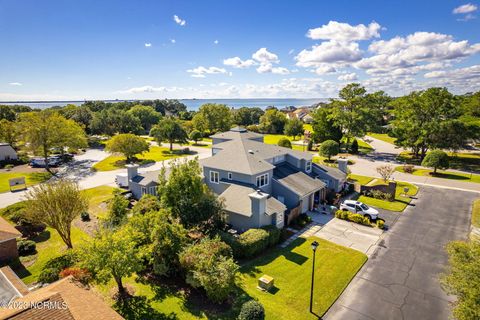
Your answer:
<point x="78" y="274"/>
<point x="118" y="209"/>
<point x="85" y="216"/>
<point x="253" y="242"/>
<point x="26" y="247"/>
<point x="284" y="142"/>
<point x="366" y="221"/>
<point x="436" y="159"/>
<point x="329" y="149"/>
<point x="377" y="194"/>
<point x="252" y="310"/>
<point x="380" y="224"/>
<point x="253" y="128"/>
<point x="273" y="235"/>
<point x="355" y="217"/>
<point x="51" y="270"/>
<point x="147" y="203"/>
<point x="354" y="147"/>
<point x="408" y="168"/>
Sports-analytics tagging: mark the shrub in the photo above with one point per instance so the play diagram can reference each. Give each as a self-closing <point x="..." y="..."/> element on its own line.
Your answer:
<point x="340" y="214"/>
<point x="78" y="274"/>
<point x="329" y="149"/>
<point x="273" y="235"/>
<point x="51" y="270"/>
<point x="26" y="247"/>
<point x="253" y="242"/>
<point x="85" y="216"/>
<point x="378" y="194"/>
<point x="252" y="310"/>
<point x="366" y="221"/>
<point x="146" y="204"/>
<point x="408" y="168"/>
<point x="380" y="224"/>
<point x="284" y="142"/>
<point x="355" y="217"/>
<point x="310" y="145"/>
<point x="354" y="147"/>
<point x="253" y="127"/>
<point x="9" y="167"/>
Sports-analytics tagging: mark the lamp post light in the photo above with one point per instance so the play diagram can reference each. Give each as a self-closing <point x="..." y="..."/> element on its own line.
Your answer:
<point x="314" y="248"/>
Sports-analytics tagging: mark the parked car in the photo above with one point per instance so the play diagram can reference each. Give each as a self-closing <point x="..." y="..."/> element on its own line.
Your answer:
<point x="360" y="208"/>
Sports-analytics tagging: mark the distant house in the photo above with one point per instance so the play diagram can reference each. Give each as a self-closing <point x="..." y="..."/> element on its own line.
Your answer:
<point x="301" y="114"/>
<point x="7" y="153"/>
<point x="64" y="299"/>
<point x="142" y="183"/>
<point x="261" y="183"/>
<point x="288" y="109"/>
<point x="8" y="241"/>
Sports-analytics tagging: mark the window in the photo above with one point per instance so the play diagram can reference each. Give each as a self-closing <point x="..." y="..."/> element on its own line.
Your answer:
<point x="229" y="176"/>
<point x="144" y="190"/>
<point x="308" y="166"/>
<point x="214" y="177"/>
<point x="262" y="180"/>
<point x="152" y="191"/>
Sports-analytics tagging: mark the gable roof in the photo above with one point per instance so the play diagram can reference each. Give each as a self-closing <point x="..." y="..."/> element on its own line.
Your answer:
<point x="331" y="171"/>
<point x="297" y="181"/>
<point x="237" y="133"/>
<point x="149" y="177"/>
<point x="7" y="231"/>
<point x="81" y="303"/>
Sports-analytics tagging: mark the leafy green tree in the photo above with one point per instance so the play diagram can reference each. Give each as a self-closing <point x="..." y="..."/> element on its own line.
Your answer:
<point x="188" y="198"/>
<point x="463" y="278"/>
<point x="378" y="104"/>
<point x="112" y="254"/>
<point x="112" y="121"/>
<point x="213" y="117"/>
<point x="284" y="142"/>
<point x="209" y="264"/>
<point x="167" y="107"/>
<point x="146" y="204"/>
<point x="470" y="104"/>
<point x="196" y="136"/>
<point x="56" y="204"/>
<point x="324" y="127"/>
<point x="146" y="114"/>
<point x="329" y="149"/>
<point x="117" y="210"/>
<point x="436" y="159"/>
<point x="8" y="132"/>
<point x="7" y="113"/>
<point x="83" y="116"/>
<point x="294" y="128"/>
<point x="246" y="116"/>
<point x="127" y="144"/>
<point x="273" y="121"/>
<point x="170" y="130"/>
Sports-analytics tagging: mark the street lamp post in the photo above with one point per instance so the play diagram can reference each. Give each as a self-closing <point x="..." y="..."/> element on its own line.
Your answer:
<point x="314" y="248"/>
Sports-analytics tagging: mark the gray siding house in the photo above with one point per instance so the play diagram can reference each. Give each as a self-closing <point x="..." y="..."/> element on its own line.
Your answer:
<point x="7" y="153"/>
<point x="260" y="183"/>
<point x="142" y="183"/>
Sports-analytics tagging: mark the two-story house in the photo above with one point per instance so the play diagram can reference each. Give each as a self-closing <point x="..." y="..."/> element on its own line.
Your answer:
<point x="260" y="183"/>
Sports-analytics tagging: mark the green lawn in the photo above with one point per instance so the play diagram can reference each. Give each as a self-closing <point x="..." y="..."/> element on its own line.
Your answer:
<point x="97" y="198"/>
<point x="274" y="138"/>
<point x="363" y="180"/>
<point x="291" y="269"/>
<point x="31" y="179"/>
<point x="155" y="154"/>
<point x="476" y="213"/>
<point x="467" y="161"/>
<point x="382" y="136"/>
<point x="459" y="176"/>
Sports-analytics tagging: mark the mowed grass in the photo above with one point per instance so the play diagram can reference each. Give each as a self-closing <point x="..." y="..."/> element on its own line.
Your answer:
<point x="290" y="267"/>
<point x="465" y="161"/>
<point x="155" y="154"/>
<point x="476" y="213"/>
<point x="382" y="136"/>
<point x="31" y="179"/>
<point x="363" y="180"/>
<point x="459" y="176"/>
<point x="97" y="199"/>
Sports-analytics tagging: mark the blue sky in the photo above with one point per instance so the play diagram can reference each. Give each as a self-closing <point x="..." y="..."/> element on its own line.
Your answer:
<point x="52" y="50"/>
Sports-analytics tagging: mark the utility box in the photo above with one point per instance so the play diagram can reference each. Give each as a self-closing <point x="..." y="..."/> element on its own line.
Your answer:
<point x="265" y="283"/>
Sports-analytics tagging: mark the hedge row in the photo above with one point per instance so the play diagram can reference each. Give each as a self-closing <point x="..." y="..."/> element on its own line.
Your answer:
<point x="354" y="217"/>
<point x="253" y="241"/>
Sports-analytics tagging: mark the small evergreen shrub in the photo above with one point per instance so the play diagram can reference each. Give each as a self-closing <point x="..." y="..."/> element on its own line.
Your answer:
<point x="26" y="247"/>
<point x="273" y="235"/>
<point x="252" y="310"/>
<point x="380" y="224"/>
<point x="253" y="242"/>
<point x="284" y="142"/>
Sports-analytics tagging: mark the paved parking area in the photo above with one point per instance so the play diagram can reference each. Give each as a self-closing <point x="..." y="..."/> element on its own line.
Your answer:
<point x="401" y="279"/>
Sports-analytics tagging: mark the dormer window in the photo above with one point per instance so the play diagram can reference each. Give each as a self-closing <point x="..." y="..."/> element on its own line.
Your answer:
<point x="308" y="166"/>
<point x="262" y="180"/>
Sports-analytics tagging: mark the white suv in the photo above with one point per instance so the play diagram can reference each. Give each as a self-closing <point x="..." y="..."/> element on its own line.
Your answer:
<point x="360" y="208"/>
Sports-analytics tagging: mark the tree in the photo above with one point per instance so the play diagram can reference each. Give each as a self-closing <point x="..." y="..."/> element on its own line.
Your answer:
<point x="385" y="172"/>
<point x="57" y="204"/>
<point x="273" y="121"/>
<point x="46" y="130"/>
<point x="117" y="210"/>
<point x="112" y="254"/>
<point x="83" y="116"/>
<point x="354" y="147"/>
<point x="113" y="120"/>
<point x="146" y="114"/>
<point x="209" y="264"/>
<point x="463" y="278"/>
<point x="167" y="107"/>
<point x="247" y="116"/>
<point x="436" y="159"/>
<point x="324" y="127"/>
<point x="169" y="130"/>
<point x="196" y="136"/>
<point x="284" y="142"/>
<point x="294" y="128"/>
<point x="127" y="144"/>
<point x="329" y="149"/>
<point x="213" y="117"/>
<point x="8" y="132"/>
<point x="147" y="203"/>
<point x="7" y="113"/>
<point x="188" y="198"/>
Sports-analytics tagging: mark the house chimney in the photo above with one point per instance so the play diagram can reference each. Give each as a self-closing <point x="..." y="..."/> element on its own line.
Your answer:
<point x="342" y="164"/>
<point x="258" y="202"/>
<point x="132" y="171"/>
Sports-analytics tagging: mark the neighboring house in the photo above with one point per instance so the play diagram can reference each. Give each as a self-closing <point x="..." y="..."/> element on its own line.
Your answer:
<point x="286" y="180"/>
<point x="307" y="118"/>
<point x="301" y="114"/>
<point x="7" y="153"/>
<point x="288" y="109"/>
<point x="142" y="183"/>
<point x="64" y="299"/>
<point x="8" y="241"/>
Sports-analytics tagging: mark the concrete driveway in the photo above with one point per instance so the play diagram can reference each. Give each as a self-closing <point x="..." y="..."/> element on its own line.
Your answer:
<point x="401" y="279"/>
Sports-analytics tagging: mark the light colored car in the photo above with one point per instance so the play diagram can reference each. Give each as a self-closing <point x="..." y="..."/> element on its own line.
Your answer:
<point x="360" y="208"/>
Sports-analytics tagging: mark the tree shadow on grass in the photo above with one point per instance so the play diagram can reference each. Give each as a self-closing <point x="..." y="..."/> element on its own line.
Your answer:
<point x="42" y="236"/>
<point x="449" y="176"/>
<point x="139" y="308"/>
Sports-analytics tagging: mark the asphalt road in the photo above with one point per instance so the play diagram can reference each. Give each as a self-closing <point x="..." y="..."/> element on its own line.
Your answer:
<point x="400" y="281"/>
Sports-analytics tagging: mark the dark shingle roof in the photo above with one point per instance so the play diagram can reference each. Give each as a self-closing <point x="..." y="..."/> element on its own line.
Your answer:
<point x="296" y="180"/>
<point x="331" y="171"/>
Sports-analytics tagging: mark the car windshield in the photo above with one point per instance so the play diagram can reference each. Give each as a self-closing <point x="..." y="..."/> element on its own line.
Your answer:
<point x="364" y="206"/>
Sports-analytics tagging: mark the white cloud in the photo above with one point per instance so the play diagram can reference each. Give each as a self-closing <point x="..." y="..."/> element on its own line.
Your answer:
<point x="472" y="72"/>
<point x="201" y="71"/>
<point x="215" y="42"/>
<point x="280" y="70"/>
<point x="291" y="51"/>
<point x="329" y="52"/>
<point x="179" y="21"/>
<point x="264" y="56"/>
<point x="236" y="62"/>
<point x="325" y="69"/>
<point x="348" y="77"/>
<point x="148" y="44"/>
<point x="345" y="32"/>
<point x="16" y="84"/>
<point x="269" y="68"/>
<point x="173" y="41"/>
<point x="466" y="8"/>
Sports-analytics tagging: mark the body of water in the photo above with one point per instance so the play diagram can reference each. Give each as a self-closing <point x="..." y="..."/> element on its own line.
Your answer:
<point x="192" y="104"/>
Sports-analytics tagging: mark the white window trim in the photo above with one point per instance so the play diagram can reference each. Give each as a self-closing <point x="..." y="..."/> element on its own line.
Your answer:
<point x="308" y="166"/>
<point x="152" y="190"/>
<point x="212" y="177"/>
<point x="259" y="179"/>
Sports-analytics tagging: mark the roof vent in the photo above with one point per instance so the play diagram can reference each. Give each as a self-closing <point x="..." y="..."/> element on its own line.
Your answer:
<point x="250" y="151"/>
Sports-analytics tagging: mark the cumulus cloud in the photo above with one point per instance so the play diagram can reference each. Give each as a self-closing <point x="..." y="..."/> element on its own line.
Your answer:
<point x="236" y="62"/>
<point x="329" y="52"/>
<point x="339" y="31"/>
<point x="16" y="84"/>
<point x="148" y="45"/>
<point x="201" y="71"/>
<point x="264" y="56"/>
<point x="325" y="69"/>
<point x="179" y="21"/>
<point x="348" y="77"/>
<point x="472" y="72"/>
<point x="466" y="8"/>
